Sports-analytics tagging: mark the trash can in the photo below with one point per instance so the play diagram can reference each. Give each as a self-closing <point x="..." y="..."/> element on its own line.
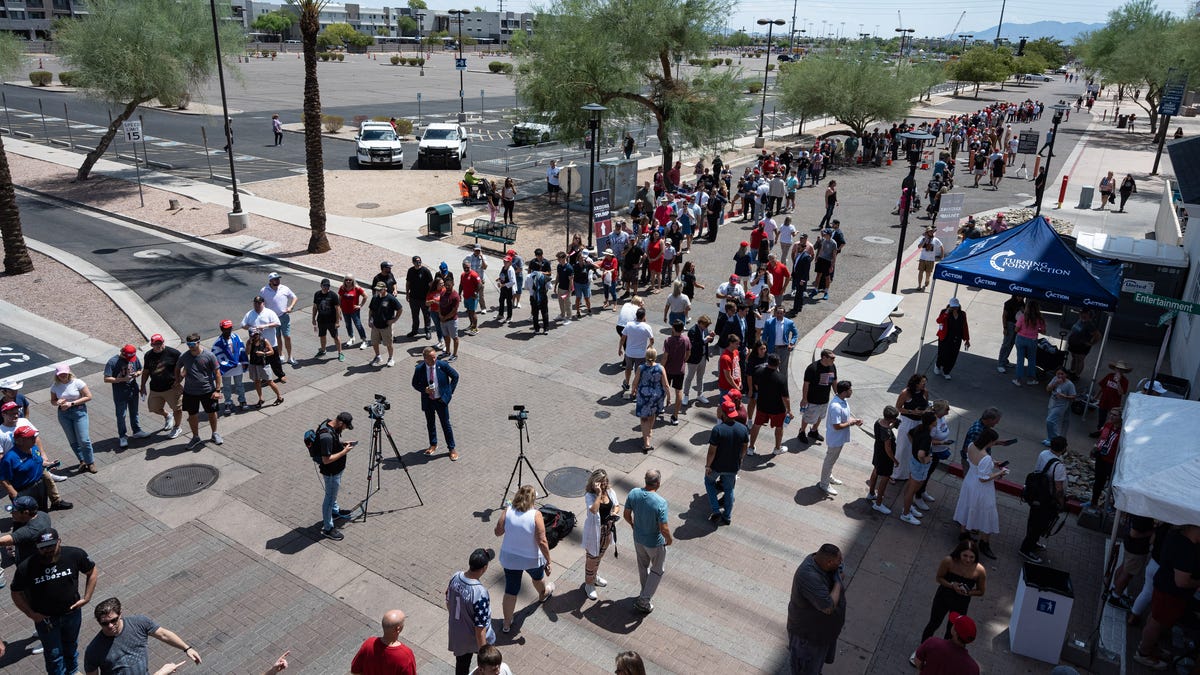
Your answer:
<point x="1122" y="121"/>
<point x="1040" y="614"/>
<point x="439" y="220"/>
<point x="1086" y="193"/>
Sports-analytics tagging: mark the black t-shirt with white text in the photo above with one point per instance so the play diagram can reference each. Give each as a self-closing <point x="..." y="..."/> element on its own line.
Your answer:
<point x="161" y="367"/>
<point x="52" y="587"/>
<point x="326" y="303"/>
<point x="820" y="379"/>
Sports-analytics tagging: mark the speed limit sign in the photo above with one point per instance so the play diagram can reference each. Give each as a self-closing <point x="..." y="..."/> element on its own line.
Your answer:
<point x="133" y="130"/>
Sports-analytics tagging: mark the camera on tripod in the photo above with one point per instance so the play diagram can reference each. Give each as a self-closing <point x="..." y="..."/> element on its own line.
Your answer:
<point x="377" y="409"/>
<point x="520" y="414"/>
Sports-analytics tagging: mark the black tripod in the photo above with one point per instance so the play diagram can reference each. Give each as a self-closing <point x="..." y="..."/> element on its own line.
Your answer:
<point x="522" y="419"/>
<point x="378" y="432"/>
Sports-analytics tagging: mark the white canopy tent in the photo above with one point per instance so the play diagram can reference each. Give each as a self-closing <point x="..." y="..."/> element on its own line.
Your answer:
<point x="1158" y="467"/>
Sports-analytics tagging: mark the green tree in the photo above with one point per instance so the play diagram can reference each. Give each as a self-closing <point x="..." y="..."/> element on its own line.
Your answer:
<point x="16" y="255"/>
<point x="981" y="64"/>
<point x="1030" y="63"/>
<point x="417" y="4"/>
<point x="314" y="161"/>
<point x="129" y="52"/>
<point x="343" y="34"/>
<point x="857" y="92"/>
<point x="621" y="55"/>
<point x="739" y="39"/>
<point x="1051" y="51"/>
<point x="274" y="22"/>
<point x="407" y="25"/>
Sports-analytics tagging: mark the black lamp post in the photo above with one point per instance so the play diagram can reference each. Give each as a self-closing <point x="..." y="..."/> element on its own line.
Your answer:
<point x="1058" y="108"/>
<point x="913" y="141"/>
<point x="964" y="37"/>
<point x="420" y="59"/>
<point x="762" y="111"/>
<point x="462" y="105"/>
<point x="594" y="111"/>
<point x="237" y="219"/>
<point x="904" y="33"/>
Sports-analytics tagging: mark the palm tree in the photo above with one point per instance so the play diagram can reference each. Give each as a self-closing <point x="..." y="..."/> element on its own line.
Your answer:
<point x="16" y="255"/>
<point x="310" y="25"/>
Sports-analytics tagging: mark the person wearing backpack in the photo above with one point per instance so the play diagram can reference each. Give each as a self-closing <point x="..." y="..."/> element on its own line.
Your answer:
<point x="329" y="452"/>
<point x="1045" y="492"/>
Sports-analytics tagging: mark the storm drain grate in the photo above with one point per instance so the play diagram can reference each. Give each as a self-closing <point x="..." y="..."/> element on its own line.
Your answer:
<point x="183" y="480"/>
<point x="569" y="481"/>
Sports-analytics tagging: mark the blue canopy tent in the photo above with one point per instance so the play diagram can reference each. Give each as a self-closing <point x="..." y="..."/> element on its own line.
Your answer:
<point x="1030" y="260"/>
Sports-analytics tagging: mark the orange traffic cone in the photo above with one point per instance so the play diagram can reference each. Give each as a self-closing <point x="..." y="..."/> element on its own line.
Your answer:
<point x="889" y="161"/>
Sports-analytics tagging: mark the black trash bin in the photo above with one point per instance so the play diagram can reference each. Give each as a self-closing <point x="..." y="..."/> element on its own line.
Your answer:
<point x="439" y="220"/>
<point x="1122" y="120"/>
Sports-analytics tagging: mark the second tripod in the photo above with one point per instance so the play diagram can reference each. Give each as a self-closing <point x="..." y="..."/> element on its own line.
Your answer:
<point x="521" y="417"/>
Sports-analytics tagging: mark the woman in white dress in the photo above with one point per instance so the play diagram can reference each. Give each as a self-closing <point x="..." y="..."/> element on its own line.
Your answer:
<point x="976" y="509"/>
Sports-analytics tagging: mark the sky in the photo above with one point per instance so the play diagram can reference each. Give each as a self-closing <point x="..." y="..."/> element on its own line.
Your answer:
<point x="929" y="17"/>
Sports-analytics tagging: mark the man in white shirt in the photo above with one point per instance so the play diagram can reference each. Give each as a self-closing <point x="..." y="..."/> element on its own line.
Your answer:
<point x="837" y="434"/>
<point x="637" y="337"/>
<point x="785" y="235"/>
<point x="552" y="185"/>
<point x="730" y="290"/>
<point x="281" y="300"/>
<point x="267" y="321"/>
<point x="931" y="252"/>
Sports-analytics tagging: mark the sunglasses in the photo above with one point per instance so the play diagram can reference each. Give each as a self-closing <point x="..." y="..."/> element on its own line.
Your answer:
<point x="110" y="622"/>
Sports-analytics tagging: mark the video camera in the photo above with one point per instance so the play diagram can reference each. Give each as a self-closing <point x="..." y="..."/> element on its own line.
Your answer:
<point x="377" y="409"/>
<point x="520" y="414"/>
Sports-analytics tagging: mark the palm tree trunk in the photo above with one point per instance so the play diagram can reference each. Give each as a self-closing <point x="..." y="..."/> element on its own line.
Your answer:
<point x="16" y="255"/>
<point x="318" y="242"/>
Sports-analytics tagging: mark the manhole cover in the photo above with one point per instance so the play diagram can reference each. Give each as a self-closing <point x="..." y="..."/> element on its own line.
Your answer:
<point x="872" y="239"/>
<point x="366" y="205"/>
<point x="602" y="414"/>
<point x="184" y="480"/>
<point x="569" y="481"/>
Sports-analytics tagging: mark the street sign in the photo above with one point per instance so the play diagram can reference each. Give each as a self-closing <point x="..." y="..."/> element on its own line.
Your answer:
<point x="1027" y="143"/>
<point x="1167" y="303"/>
<point x="601" y="214"/>
<point x="1167" y="317"/>
<point x="133" y="130"/>
<point x="1172" y="92"/>
<point x="460" y="64"/>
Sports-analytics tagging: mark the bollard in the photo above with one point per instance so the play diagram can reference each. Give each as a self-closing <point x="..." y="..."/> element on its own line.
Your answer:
<point x="1062" y="192"/>
<point x="1037" y="166"/>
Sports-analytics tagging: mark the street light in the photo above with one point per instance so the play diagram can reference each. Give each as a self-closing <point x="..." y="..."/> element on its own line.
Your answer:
<point x="964" y="37"/>
<point x="237" y="219"/>
<point x="760" y="141"/>
<point x="1058" y="108"/>
<point x="593" y="110"/>
<point x="420" y="17"/>
<point x="913" y="142"/>
<point x="904" y="32"/>
<point x="462" y="105"/>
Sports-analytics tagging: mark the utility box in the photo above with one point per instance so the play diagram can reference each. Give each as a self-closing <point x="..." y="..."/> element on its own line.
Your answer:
<point x="439" y="220"/>
<point x="1148" y="267"/>
<point x="1040" y="614"/>
<point x="618" y="176"/>
<point x="1085" y="197"/>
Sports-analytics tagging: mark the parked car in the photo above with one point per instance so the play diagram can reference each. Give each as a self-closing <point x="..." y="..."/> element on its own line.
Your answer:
<point x="1035" y="77"/>
<point x="378" y="145"/>
<point x="527" y="133"/>
<point x="442" y="143"/>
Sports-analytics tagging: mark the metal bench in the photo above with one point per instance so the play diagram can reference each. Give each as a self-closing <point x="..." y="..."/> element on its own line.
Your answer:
<point x="482" y="228"/>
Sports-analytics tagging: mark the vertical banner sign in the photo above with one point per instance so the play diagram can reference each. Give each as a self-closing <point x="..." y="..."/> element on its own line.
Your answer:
<point x="1172" y="92"/>
<point x="601" y="214"/>
<point x="1027" y="143"/>
<point x="948" y="219"/>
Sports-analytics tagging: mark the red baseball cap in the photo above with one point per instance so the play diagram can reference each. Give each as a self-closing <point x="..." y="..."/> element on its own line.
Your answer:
<point x="733" y="277"/>
<point x="735" y="394"/>
<point x="156" y="339"/>
<point x="729" y="408"/>
<point x="129" y="351"/>
<point x="963" y="625"/>
<point x="226" y="324"/>
<point x="11" y="405"/>
<point x="25" y="432"/>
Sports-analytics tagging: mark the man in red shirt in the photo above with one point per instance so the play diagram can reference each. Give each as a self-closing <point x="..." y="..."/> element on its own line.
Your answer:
<point x="936" y="656"/>
<point x="780" y="278"/>
<point x="1113" y="388"/>
<point x="468" y="287"/>
<point x="385" y="655"/>
<point x="729" y="369"/>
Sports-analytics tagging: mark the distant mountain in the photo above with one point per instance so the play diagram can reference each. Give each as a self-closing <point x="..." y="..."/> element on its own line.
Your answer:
<point x="1066" y="32"/>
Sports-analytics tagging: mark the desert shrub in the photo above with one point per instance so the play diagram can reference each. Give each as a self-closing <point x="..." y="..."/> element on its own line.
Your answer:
<point x="332" y="123"/>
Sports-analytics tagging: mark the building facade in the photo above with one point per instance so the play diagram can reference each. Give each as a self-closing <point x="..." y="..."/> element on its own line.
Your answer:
<point x="32" y="19"/>
<point x="491" y="27"/>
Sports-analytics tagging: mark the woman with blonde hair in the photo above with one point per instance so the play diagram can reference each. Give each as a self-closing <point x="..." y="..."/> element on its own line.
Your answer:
<point x="602" y="509"/>
<point x="523" y="549"/>
<point x="650" y="383"/>
<point x="70" y="395"/>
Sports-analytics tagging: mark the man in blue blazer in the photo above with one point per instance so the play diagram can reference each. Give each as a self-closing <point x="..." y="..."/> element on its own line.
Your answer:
<point x="780" y="335"/>
<point x="436" y="381"/>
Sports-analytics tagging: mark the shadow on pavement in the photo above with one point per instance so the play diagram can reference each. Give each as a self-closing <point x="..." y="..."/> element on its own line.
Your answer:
<point x="614" y="616"/>
<point x="695" y="520"/>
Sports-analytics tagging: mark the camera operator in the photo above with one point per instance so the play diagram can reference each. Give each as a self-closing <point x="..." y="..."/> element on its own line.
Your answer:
<point x="332" y="452"/>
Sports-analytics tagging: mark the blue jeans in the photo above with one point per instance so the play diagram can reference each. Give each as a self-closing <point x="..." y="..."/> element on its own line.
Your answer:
<point x="354" y="320"/>
<point x="60" y="638"/>
<point x="1026" y="358"/>
<point x="728" y="480"/>
<point x="1006" y="346"/>
<point x="443" y="414"/>
<point x="126" y="401"/>
<point x="74" y="423"/>
<point x="808" y="657"/>
<point x="231" y="384"/>
<point x="673" y="316"/>
<point x="329" y="506"/>
<point x="1055" y="425"/>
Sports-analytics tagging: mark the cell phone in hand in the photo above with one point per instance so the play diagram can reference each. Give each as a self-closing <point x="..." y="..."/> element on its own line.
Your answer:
<point x="1007" y="443"/>
<point x="1003" y="464"/>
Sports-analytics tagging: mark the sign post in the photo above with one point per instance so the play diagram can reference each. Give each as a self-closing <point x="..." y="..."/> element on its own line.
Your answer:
<point x="601" y="216"/>
<point x="949" y="219"/>
<point x="1173" y="91"/>
<point x="1167" y="303"/>
<point x="1027" y="144"/>
<point x="133" y="134"/>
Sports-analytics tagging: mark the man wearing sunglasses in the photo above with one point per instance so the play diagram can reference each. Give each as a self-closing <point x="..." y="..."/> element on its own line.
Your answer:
<point x="120" y="646"/>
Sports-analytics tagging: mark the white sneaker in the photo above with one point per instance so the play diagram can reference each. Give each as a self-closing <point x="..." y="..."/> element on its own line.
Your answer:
<point x="590" y="590"/>
<point x="920" y="504"/>
<point x="376" y="361"/>
<point x="362" y="345"/>
<point x="166" y="425"/>
<point x="216" y="438"/>
<point x="702" y="400"/>
<point x="686" y="400"/>
<point x="881" y="508"/>
<point x="391" y="362"/>
<point x="929" y="498"/>
<point x="350" y="343"/>
<point x="1001" y="369"/>
<point x="946" y="375"/>
<point x="601" y="581"/>
<point x="916" y="514"/>
<point x="937" y="370"/>
<point x="176" y="432"/>
<point x="827" y="490"/>
<point x="777" y="451"/>
<point x="1016" y="382"/>
<point x="292" y="362"/>
<point x="142" y="434"/>
<point x="123" y="442"/>
<point x="909" y="519"/>
<point x="57" y="478"/>
<point x="834" y="480"/>
<point x="750" y="450"/>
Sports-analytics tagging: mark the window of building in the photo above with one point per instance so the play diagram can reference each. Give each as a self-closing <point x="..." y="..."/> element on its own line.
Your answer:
<point x="37" y="15"/>
<point x="16" y="15"/>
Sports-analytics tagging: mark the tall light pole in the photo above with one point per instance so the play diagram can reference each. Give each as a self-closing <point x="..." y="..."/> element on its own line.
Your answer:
<point x="760" y="141"/>
<point x="904" y="33"/>
<point x="420" y="17"/>
<point x="1058" y="108"/>
<point x="792" y="42"/>
<point x="593" y="110"/>
<point x="237" y="219"/>
<point x="1000" y="25"/>
<point x="913" y="142"/>
<point x="964" y="37"/>
<point x="462" y="105"/>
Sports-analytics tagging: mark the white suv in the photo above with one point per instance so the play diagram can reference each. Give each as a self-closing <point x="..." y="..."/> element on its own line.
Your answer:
<point x="378" y="144"/>
<point x="442" y="143"/>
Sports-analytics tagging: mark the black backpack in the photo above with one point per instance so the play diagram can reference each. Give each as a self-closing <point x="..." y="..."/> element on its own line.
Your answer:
<point x="1039" y="486"/>
<point x="558" y="523"/>
<point x="310" y="441"/>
